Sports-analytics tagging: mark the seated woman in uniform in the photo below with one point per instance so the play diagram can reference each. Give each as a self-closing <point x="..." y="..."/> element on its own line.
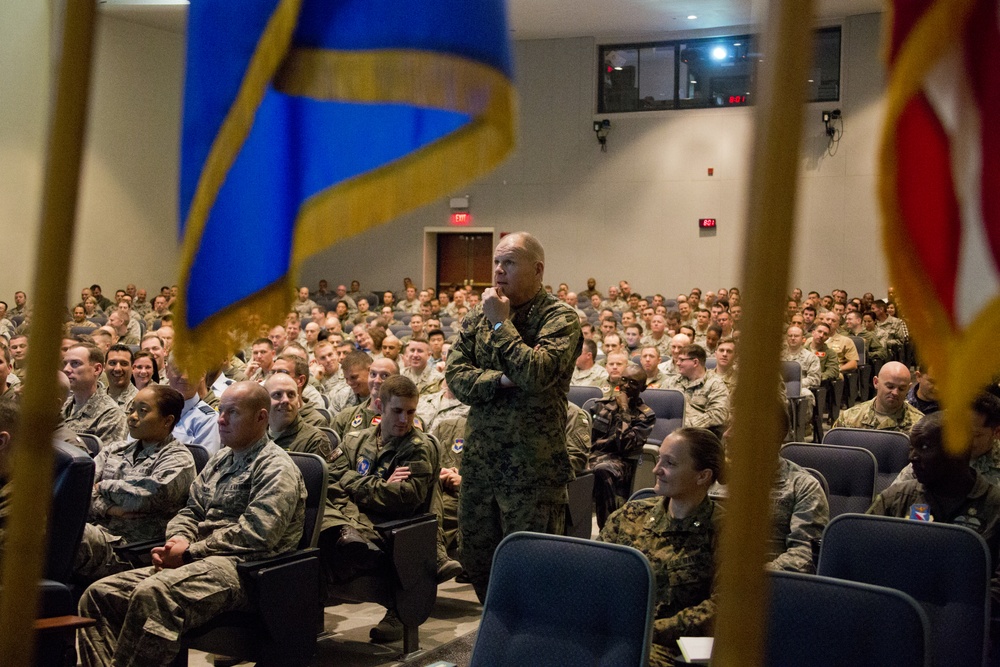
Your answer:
<point x="677" y="530"/>
<point x="144" y="370"/>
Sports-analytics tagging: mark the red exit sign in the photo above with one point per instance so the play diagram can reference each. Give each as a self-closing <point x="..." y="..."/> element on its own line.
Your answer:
<point x="461" y="219"/>
<point x="706" y="223"/>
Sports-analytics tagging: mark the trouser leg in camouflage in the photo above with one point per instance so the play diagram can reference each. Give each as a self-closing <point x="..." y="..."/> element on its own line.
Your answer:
<point x="487" y="514"/>
<point x="141" y="614"/>
<point x="96" y="558"/>
<point x="609" y="481"/>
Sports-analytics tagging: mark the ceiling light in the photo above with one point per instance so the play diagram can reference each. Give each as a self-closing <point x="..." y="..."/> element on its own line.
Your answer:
<point x="691" y="17"/>
<point x="719" y="53"/>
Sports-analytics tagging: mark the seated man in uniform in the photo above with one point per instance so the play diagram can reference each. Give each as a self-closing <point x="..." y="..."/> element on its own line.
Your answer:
<point x="140" y="484"/>
<point x="615" y="364"/>
<point x="949" y="490"/>
<point x="89" y="409"/>
<point x="706" y="398"/>
<point x="284" y="423"/>
<point x="381" y="473"/>
<point x="587" y="373"/>
<point x="621" y="424"/>
<point x="366" y="414"/>
<point x="415" y="366"/>
<point x="888" y="411"/>
<point x="247" y="504"/>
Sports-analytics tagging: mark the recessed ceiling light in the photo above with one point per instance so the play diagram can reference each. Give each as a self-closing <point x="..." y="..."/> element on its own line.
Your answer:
<point x="810" y="81"/>
<point x="691" y="17"/>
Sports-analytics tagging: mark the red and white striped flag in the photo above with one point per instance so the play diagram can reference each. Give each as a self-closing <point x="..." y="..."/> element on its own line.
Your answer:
<point x="940" y="189"/>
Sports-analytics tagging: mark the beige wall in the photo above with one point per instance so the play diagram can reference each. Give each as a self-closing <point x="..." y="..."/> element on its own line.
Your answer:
<point x="126" y="227"/>
<point x="631" y="212"/>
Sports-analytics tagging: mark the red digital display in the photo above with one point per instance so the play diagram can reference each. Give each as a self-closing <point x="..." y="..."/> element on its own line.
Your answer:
<point x="461" y="219"/>
<point x="706" y="223"/>
<point x="737" y="99"/>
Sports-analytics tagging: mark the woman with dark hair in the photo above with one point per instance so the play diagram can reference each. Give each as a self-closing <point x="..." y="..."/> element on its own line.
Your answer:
<point x="144" y="370"/>
<point x="677" y="530"/>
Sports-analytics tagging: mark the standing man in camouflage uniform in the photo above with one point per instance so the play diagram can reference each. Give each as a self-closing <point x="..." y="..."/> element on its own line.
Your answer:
<point x="888" y="411"/>
<point x="512" y="365"/>
<point x="247" y="504"/>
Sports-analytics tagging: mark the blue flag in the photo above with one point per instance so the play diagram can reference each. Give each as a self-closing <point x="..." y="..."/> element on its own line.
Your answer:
<point x="309" y="121"/>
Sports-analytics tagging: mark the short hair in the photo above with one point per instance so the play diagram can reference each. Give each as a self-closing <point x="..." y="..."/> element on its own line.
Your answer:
<point x="730" y="339"/>
<point x="613" y="335"/>
<point x="355" y="360"/>
<point x="590" y="346"/>
<point x="704" y="310"/>
<point x="531" y="245"/>
<point x="929" y="430"/>
<point x="879" y="302"/>
<point x="586" y="325"/>
<point x="16" y="336"/>
<point x="987" y="406"/>
<point x="714" y="327"/>
<point x="257" y="399"/>
<point x="95" y="286"/>
<point x="809" y="308"/>
<point x="435" y="332"/>
<point x="10" y="416"/>
<point x="151" y="335"/>
<point x="263" y="341"/>
<point x="634" y="325"/>
<point x="695" y="351"/>
<point x="94" y="354"/>
<point x="650" y="347"/>
<point x="118" y="347"/>
<point x="301" y="367"/>
<point x="169" y="401"/>
<point x="397" y="385"/>
<point x="705" y="449"/>
<point x="6" y="353"/>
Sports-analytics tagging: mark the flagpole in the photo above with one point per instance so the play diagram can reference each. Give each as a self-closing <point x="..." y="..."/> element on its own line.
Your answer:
<point x="32" y="449"/>
<point x="739" y="637"/>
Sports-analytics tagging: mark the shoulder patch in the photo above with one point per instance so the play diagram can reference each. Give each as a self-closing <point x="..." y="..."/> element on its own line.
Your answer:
<point x="376" y="420"/>
<point x="207" y="409"/>
<point x="356" y="422"/>
<point x="335" y="454"/>
<point x="363" y="466"/>
<point x="418" y="423"/>
<point x="458" y="445"/>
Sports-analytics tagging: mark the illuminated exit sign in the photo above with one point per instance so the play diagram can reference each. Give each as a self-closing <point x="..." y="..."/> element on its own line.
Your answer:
<point x="461" y="218"/>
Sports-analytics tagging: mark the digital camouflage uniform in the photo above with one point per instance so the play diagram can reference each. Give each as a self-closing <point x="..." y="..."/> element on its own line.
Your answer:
<point x="617" y="438"/>
<point x="681" y="553"/>
<point x="801" y="512"/>
<point x="433" y="407"/>
<point x="125" y="398"/>
<point x="99" y="416"/>
<point x="863" y="415"/>
<point x="657" y="381"/>
<point x="359" y="495"/>
<point x="595" y="376"/>
<point x="706" y="400"/>
<point x="663" y="345"/>
<point x="151" y="483"/>
<point x="988" y="465"/>
<point x="243" y="506"/>
<point x="875" y="351"/>
<point x="303" y="437"/>
<point x="331" y="384"/>
<point x="894" y="330"/>
<point x="518" y="467"/>
<point x="980" y="511"/>
<point x="428" y="380"/>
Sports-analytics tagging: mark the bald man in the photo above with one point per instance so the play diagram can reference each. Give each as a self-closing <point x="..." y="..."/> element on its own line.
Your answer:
<point x="512" y="365"/>
<point x="888" y="411"/>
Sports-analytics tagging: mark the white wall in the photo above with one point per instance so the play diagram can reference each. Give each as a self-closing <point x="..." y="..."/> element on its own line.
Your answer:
<point x="629" y="213"/>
